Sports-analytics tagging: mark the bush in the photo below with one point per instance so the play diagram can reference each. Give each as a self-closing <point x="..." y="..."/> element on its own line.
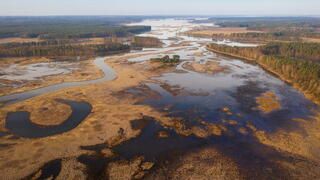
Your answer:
<point x="167" y="59"/>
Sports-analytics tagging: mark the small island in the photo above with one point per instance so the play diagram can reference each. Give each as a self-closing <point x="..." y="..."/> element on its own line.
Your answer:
<point x="167" y="60"/>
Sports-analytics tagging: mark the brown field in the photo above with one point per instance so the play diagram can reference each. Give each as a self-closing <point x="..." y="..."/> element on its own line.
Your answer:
<point x="112" y="110"/>
<point x="198" y="54"/>
<point x="187" y="43"/>
<point x="226" y="31"/>
<point x="315" y="40"/>
<point x="100" y="40"/>
<point x="208" y="68"/>
<point x="11" y="40"/>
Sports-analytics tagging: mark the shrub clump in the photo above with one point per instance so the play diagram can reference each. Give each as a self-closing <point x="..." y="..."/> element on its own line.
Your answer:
<point x="167" y="59"/>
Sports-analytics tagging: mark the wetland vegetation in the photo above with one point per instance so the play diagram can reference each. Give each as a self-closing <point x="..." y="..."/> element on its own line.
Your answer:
<point x="297" y="63"/>
<point x="149" y="42"/>
<point x="160" y="104"/>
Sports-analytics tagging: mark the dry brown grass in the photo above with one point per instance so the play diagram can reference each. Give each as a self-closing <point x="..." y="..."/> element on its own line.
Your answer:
<point x="205" y="163"/>
<point x="315" y="40"/>
<point x="225" y="31"/>
<point x="198" y="54"/>
<point x="304" y="144"/>
<point x="4" y="62"/>
<point x="101" y="40"/>
<point x="111" y="112"/>
<point x="19" y="40"/>
<point x="208" y="68"/>
<point x="185" y="43"/>
<point x="87" y="71"/>
<point x="268" y="102"/>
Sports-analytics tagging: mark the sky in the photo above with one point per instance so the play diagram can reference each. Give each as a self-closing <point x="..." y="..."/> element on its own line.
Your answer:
<point x="160" y="7"/>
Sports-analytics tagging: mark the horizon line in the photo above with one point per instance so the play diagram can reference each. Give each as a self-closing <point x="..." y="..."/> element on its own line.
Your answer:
<point x="202" y="15"/>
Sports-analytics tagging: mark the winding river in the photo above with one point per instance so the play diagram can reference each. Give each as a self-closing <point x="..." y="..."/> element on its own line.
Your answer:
<point x="19" y="122"/>
<point x="236" y="88"/>
<point x="109" y="75"/>
<point x="227" y="99"/>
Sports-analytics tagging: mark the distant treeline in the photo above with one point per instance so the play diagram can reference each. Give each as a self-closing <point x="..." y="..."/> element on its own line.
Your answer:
<point x="29" y="49"/>
<point x="297" y="63"/>
<point x="39" y="43"/>
<point x="62" y="31"/>
<point x="68" y="27"/>
<point x="268" y="36"/>
<point x="309" y="51"/>
<point x="274" y="28"/>
<point x="268" y="23"/>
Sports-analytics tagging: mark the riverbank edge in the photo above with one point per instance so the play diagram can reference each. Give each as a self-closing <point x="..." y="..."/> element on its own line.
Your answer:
<point x="57" y="77"/>
<point x="292" y="83"/>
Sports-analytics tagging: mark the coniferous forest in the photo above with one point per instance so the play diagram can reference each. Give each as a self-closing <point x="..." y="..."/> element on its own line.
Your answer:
<point x="296" y="62"/>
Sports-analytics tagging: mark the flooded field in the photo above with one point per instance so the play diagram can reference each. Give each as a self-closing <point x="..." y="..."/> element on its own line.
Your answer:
<point x="219" y="109"/>
<point x="14" y="98"/>
<point x="34" y="71"/>
<point x="217" y="105"/>
<point x="236" y="88"/>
